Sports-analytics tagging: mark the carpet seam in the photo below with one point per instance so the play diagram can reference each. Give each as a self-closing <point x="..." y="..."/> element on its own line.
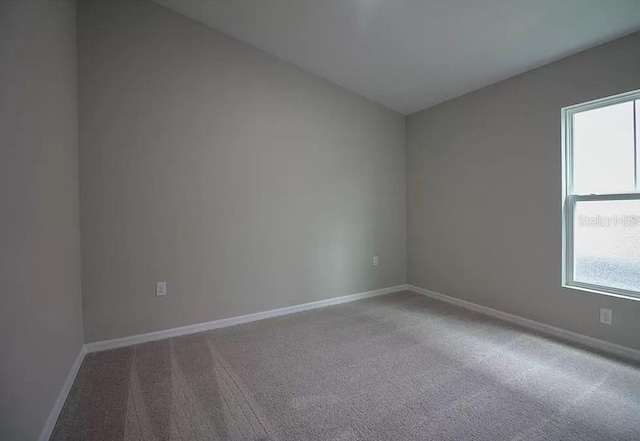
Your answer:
<point x="174" y="365"/>
<point x="242" y="411"/>
<point x="265" y="426"/>
<point x="238" y="387"/>
<point x="133" y="395"/>
<point x="240" y="432"/>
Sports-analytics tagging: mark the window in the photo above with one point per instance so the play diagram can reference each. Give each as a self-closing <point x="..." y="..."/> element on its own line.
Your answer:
<point x="601" y="197"/>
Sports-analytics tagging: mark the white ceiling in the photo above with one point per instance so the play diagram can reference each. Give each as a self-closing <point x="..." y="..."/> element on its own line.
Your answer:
<point x="411" y="54"/>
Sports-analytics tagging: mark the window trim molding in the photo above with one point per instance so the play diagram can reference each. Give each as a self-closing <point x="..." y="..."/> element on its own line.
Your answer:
<point x="569" y="199"/>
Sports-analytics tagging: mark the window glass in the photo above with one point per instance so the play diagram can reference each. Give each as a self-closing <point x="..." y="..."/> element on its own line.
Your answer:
<point x="603" y="150"/>
<point x="607" y="243"/>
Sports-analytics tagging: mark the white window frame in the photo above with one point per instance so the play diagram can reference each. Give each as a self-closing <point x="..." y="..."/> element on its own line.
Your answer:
<point x="569" y="199"/>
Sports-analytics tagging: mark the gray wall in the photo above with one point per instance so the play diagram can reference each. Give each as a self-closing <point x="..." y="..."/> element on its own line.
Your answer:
<point x="244" y="182"/>
<point x="41" y="312"/>
<point x="484" y="193"/>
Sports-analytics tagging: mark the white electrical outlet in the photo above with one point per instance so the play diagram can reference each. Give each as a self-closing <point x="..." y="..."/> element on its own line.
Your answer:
<point x="606" y="316"/>
<point x="375" y="260"/>
<point x="161" y="289"/>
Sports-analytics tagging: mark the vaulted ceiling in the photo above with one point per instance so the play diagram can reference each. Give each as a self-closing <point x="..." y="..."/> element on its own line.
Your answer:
<point x="411" y="54"/>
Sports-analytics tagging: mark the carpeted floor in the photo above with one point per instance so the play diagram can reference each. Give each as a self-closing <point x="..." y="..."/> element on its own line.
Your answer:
<point x="396" y="367"/>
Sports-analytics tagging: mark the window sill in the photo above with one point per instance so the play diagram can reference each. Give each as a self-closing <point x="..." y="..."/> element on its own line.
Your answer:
<point x="596" y="290"/>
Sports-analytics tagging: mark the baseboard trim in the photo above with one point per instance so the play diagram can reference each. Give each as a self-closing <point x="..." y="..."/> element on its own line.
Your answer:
<point x="594" y="343"/>
<point x="231" y="321"/>
<point x="47" y="430"/>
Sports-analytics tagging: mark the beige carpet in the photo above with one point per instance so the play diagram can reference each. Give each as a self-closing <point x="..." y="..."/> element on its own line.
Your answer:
<point x="397" y="367"/>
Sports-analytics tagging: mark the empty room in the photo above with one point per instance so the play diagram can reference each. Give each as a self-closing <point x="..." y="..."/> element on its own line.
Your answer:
<point x="324" y="220"/>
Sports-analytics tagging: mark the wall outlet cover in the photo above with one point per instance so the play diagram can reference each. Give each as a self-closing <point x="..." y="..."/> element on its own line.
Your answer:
<point x="161" y="289"/>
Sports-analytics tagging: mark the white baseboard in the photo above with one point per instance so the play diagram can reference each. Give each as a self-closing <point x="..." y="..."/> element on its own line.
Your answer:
<point x="231" y="321"/>
<point x="611" y="348"/>
<point x="47" y="430"/>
